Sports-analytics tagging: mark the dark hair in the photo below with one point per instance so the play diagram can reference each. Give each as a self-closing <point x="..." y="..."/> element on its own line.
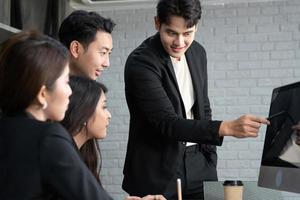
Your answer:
<point x="82" y="26"/>
<point x="83" y="102"/>
<point x="28" y="60"/>
<point x="190" y="10"/>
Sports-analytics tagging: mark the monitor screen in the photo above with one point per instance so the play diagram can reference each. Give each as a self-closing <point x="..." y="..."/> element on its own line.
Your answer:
<point x="280" y="164"/>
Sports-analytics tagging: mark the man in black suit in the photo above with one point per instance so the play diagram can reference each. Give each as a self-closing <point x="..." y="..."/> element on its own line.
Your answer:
<point x="171" y="132"/>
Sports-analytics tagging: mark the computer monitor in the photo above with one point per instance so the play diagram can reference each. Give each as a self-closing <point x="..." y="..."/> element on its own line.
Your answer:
<point x="280" y="164"/>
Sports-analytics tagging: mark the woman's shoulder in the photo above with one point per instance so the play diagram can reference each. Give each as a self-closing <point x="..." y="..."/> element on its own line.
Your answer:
<point x="43" y="130"/>
<point x="55" y="129"/>
<point x="54" y="137"/>
<point x="23" y="122"/>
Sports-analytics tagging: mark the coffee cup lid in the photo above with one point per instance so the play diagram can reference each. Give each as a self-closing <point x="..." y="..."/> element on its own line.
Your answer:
<point x="233" y="183"/>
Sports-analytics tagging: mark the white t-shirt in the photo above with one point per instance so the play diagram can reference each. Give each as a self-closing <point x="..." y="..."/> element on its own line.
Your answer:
<point x="185" y="85"/>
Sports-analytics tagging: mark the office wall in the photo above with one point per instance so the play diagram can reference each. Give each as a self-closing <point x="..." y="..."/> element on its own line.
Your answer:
<point x="33" y="15"/>
<point x="4" y="11"/>
<point x="251" y="48"/>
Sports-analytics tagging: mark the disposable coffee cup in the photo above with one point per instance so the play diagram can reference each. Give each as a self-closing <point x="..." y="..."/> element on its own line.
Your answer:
<point x="233" y="190"/>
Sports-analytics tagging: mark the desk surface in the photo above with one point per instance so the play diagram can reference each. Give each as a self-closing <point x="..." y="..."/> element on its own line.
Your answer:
<point x="215" y="191"/>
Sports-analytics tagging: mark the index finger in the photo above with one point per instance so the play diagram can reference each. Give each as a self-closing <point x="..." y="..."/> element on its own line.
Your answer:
<point x="161" y="197"/>
<point x="132" y="198"/>
<point x="261" y="120"/>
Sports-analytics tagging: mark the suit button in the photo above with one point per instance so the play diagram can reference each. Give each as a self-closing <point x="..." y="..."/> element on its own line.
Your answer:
<point x="184" y="143"/>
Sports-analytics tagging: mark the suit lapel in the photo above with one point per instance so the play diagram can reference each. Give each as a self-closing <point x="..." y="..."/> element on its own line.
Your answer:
<point x="196" y="75"/>
<point x="166" y="59"/>
<point x="172" y="73"/>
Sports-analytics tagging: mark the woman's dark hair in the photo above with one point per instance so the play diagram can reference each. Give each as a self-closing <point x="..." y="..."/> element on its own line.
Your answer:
<point x="28" y="60"/>
<point x="83" y="102"/>
<point x="82" y="26"/>
<point x="190" y="10"/>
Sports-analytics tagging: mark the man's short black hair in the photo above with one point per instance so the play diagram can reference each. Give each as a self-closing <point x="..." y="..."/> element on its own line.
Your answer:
<point x="190" y="10"/>
<point x="82" y="26"/>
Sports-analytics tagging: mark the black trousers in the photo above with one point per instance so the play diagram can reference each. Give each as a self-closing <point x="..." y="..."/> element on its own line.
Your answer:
<point x="193" y="169"/>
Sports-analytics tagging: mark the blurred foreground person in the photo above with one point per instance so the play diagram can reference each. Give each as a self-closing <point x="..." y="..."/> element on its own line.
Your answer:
<point x="38" y="157"/>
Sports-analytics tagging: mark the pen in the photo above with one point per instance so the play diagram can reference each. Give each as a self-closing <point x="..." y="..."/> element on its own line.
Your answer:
<point x="276" y="115"/>
<point x="282" y="113"/>
<point x="179" y="189"/>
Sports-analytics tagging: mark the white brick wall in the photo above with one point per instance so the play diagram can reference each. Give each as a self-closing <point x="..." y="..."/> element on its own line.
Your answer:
<point x="251" y="48"/>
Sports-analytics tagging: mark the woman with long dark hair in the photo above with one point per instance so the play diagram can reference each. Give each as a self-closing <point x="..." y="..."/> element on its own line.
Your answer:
<point x="87" y="119"/>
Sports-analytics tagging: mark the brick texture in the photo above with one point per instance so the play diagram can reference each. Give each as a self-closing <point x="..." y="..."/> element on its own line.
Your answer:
<point x="251" y="48"/>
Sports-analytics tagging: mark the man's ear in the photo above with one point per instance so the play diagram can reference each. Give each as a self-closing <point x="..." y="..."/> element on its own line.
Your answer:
<point x="157" y="23"/>
<point x="42" y="96"/>
<point x="75" y="48"/>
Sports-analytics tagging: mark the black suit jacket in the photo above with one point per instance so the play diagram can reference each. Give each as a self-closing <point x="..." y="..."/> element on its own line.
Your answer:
<point x="158" y="125"/>
<point x="38" y="160"/>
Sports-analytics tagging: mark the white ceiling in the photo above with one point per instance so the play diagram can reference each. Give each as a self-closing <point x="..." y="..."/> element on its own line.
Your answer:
<point x="98" y="5"/>
<point x="154" y="1"/>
